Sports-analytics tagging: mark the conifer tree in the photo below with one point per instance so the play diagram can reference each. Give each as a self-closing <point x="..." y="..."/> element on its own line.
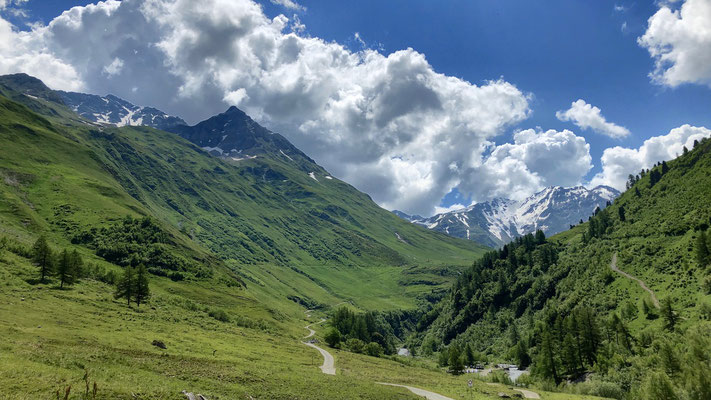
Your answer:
<point x="522" y="357"/>
<point x="589" y="334"/>
<point x="67" y="268"/>
<point x="43" y="256"/>
<point x="621" y="213"/>
<point x="702" y="250"/>
<point x="455" y="360"/>
<point x="141" y="291"/>
<point x="546" y="363"/>
<point x="125" y="287"/>
<point x="670" y="317"/>
<point x="569" y="354"/>
<point x="468" y="355"/>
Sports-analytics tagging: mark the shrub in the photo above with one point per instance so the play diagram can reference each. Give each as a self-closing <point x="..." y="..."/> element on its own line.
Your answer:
<point x="355" y="345"/>
<point x="500" y="377"/>
<point x="706" y="285"/>
<point x="333" y="337"/>
<point x="219" y="315"/>
<point x="601" y="389"/>
<point x="373" y="349"/>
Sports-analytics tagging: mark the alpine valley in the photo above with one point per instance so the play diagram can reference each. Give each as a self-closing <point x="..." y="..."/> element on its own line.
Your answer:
<point x="145" y="257"/>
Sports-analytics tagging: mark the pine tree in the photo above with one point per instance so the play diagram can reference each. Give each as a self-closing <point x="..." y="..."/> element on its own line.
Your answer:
<point x="589" y="334"/>
<point x="43" y="256"/>
<point x="469" y="355"/>
<point x="654" y="177"/>
<point x="665" y="167"/>
<point x="547" y="361"/>
<point x="125" y="288"/>
<point x="443" y="360"/>
<point x="702" y="250"/>
<point x="540" y="237"/>
<point x="621" y="213"/>
<point x="66" y="268"/>
<point x="522" y="357"/>
<point x="570" y="354"/>
<point x="456" y="365"/>
<point x="670" y="317"/>
<point x="141" y="291"/>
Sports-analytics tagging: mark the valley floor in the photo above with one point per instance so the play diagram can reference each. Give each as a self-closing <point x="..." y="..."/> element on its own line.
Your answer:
<point x="58" y="339"/>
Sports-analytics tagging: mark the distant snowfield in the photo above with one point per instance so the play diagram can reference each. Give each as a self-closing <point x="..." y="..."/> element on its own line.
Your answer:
<point x="551" y="210"/>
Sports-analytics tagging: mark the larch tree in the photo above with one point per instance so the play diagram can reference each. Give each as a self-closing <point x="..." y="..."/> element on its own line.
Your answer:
<point x="125" y="287"/>
<point x="43" y="256"/>
<point x="141" y="291"/>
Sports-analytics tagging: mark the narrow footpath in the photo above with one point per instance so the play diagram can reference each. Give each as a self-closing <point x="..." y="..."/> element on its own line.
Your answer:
<point x="613" y="266"/>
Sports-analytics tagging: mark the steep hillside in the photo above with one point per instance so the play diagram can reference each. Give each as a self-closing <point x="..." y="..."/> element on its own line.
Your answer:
<point x="578" y="302"/>
<point x="497" y="222"/>
<point x="236" y="252"/>
<point x="254" y="214"/>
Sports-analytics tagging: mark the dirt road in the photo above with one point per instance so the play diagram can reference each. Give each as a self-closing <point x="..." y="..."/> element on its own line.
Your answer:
<point x="613" y="266"/>
<point x="420" y="392"/>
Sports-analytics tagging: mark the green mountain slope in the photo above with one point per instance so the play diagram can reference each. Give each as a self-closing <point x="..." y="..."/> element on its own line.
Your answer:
<point x="236" y="254"/>
<point x="559" y="304"/>
<point x="259" y="216"/>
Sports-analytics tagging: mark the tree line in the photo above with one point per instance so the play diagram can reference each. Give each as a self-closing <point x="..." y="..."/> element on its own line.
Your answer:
<point x="68" y="267"/>
<point x="367" y="333"/>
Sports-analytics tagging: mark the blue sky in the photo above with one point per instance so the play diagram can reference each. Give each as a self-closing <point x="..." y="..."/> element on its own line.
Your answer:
<point x="556" y="51"/>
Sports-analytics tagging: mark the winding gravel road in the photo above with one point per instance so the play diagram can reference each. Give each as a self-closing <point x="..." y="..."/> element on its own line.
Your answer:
<point x="613" y="266"/>
<point x="420" y="392"/>
<point x="528" y="394"/>
<point x="328" y="367"/>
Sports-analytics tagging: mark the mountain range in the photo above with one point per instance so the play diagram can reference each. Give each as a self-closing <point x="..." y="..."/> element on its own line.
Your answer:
<point x="258" y="203"/>
<point x="499" y="221"/>
<point x="115" y="111"/>
<point x="234" y="136"/>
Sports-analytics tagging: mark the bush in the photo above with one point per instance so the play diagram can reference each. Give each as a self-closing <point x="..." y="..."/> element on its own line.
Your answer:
<point x="500" y="377"/>
<point x="601" y="389"/>
<point x="219" y="315"/>
<point x="333" y="337"/>
<point x="355" y="345"/>
<point x="706" y="285"/>
<point x="373" y="349"/>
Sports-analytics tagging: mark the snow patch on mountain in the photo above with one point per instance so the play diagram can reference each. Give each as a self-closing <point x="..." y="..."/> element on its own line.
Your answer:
<point x="501" y="220"/>
<point x="111" y="110"/>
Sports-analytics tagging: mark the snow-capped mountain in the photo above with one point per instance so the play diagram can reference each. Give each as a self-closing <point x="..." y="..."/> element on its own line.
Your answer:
<point x="112" y="110"/>
<point x="232" y="135"/>
<point x="500" y="220"/>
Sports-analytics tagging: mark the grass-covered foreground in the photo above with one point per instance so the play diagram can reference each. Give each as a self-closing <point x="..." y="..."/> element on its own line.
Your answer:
<point x="54" y="339"/>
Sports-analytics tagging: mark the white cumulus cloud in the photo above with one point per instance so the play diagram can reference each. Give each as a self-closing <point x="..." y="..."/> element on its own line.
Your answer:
<point x="387" y="123"/>
<point x="679" y="41"/>
<point x="618" y="162"/>
<point x="7" y="3"/>
<point x="534" y="160"/>
<point x="587" y="116"/>
<point x="27" y="52"/>
<point x="290" y="4"/>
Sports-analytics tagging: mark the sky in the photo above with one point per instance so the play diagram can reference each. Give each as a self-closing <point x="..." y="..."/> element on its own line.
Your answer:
<point x="426" y="106"/>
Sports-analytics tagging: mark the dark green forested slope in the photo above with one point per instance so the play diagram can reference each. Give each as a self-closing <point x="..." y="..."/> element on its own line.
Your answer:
<point x="557" y="304"/>
<point x="262" y="218"/>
